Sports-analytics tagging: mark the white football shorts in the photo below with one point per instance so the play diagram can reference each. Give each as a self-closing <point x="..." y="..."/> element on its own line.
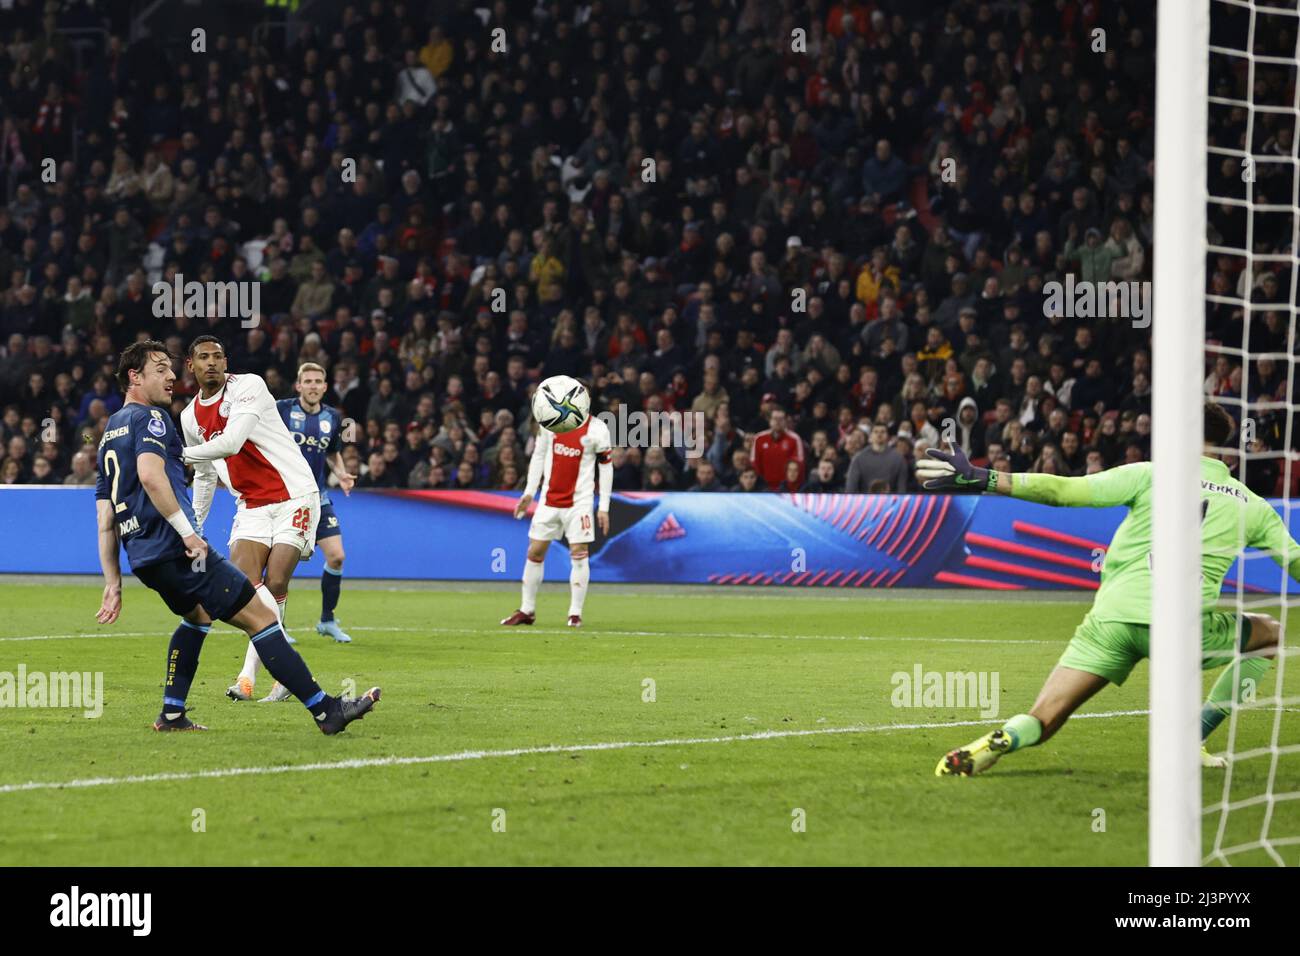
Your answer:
<point x="286" y="522"/>
<point x="577" y="524"/>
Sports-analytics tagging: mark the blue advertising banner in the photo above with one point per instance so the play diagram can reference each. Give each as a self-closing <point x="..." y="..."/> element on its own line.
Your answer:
<point x="833" y="540"/>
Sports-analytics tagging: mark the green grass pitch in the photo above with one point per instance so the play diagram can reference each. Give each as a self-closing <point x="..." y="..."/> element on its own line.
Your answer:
<point x="772" y="737"/>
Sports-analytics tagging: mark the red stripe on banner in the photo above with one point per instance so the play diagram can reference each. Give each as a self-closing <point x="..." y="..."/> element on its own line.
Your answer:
<point x="724" y="579"/>
<point x="1051" y="534"/>
<point x="894" y="580"/>
<point x="938" y="523"/>
<point x="800" y="579"/>
<point x="1004" y="567"/>
<point x="881" y="503"/>
<point x="844" y="502"/>
<point x="817" y="577"/>
<point x="914" y="508"/>
<point x="1025" y="551"/>
<point x="877" y="578"/>
<point x="864" y="509"/>
<point x="478" y="500"/>
<point x="1251" y="588"/>
<point x="968" y="581"/>
<point x="898" y="514"/>
<point x="788" y="576"/>
<point x="920" y="528"/>
<point x="832" y="579"/>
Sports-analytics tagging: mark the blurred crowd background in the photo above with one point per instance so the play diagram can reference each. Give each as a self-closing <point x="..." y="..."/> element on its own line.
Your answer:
<point x="825" y="227"/>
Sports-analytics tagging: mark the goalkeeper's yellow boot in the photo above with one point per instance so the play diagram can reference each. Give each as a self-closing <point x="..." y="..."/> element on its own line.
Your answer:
<point x="1210" y="760"/>
<point x="974" y="757"/>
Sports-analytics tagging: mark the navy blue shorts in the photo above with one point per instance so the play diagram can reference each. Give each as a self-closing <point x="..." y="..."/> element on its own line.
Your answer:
<point x="328" y="526"/>
<point x="220" y="587"/>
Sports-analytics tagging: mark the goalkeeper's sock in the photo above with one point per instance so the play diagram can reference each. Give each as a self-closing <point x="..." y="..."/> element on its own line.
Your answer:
<point x="1226" y="692"/>
<point x="579" y="576"/>
<point x="182" y="662"/>
<point x="1024" y="730"/>
<point x="288" y="667"/>
<point x="331" y="582"/>
<point x="533" y="571"/>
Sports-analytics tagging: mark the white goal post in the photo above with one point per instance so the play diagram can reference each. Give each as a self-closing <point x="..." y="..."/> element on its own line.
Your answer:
<point x="1178" y="336"/>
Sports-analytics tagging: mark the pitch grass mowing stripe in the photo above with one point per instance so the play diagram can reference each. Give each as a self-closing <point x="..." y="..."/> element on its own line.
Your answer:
<point x="462" y="755"/>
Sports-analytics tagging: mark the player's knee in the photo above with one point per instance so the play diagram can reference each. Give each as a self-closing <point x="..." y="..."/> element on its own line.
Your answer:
<point x="1265" y="631"/>
<point x="578" y="552"/>
<point x="335" y="561"/>
<point x="537" y="551"/>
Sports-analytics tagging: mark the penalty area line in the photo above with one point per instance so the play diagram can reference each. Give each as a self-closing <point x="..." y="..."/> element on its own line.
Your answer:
<point x="464" y="755"/>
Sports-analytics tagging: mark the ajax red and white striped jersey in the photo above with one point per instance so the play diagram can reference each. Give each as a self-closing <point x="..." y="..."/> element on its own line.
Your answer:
<point x="568" y="473"/>
<point x="269" y="468"/>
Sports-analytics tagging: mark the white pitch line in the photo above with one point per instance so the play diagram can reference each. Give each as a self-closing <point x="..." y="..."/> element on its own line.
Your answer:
<point x="591" y="632"/>
<point x="463" y="755"/>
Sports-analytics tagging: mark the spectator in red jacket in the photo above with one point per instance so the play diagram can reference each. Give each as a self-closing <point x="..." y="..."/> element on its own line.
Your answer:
<point x="774" y="448"/>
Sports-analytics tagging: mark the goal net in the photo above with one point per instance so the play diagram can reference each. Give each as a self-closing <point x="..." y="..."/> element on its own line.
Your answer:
<point x="1244" y="274"/>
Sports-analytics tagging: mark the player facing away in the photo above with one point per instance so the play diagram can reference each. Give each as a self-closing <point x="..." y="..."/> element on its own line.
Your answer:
<point x="317" y="430"/>
<point x="234" y="435"/>
<point x="140" y="502"/>
<point x="564" y="468"/>
<point x="1115" y="634"/>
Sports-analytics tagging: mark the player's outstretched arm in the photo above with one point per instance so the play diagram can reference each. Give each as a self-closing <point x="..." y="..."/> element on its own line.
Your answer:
<point x="1269" y="533"/>
<point x="952" y="471"/>
<point x="227" y="443"/>
<point x="109" y="563"/>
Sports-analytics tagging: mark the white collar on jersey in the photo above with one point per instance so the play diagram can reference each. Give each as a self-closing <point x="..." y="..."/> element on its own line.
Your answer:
<point x="205" y="402"/>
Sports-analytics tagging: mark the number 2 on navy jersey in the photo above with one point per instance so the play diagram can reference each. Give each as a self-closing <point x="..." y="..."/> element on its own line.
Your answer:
<point x="112" y="465"/>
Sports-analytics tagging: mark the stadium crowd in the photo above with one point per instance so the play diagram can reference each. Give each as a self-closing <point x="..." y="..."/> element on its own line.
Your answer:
<point x="832" y="243"/>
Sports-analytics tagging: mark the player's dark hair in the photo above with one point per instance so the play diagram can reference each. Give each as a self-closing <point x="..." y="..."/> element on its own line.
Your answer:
<point x="1219" y="425"/>
<point x="203" y="340"/>
<point x="134" y="357"/>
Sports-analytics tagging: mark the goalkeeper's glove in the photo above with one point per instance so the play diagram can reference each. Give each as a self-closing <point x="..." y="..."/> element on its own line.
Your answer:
<point x="952" y="471"/>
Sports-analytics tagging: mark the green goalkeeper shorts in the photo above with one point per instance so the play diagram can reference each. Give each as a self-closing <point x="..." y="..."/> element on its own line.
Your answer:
<point x="1111" y="649"/>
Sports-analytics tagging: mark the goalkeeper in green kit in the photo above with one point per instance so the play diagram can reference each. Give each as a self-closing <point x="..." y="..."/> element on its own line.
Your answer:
<point x="1115" y="634"/>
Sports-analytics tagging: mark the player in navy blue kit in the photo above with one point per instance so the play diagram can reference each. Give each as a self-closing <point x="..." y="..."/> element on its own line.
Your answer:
<point x="141" y="504"/>
<point x="317" y="429"/>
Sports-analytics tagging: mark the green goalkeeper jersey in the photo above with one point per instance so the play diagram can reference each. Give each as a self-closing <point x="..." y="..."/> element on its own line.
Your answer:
<point x="1232" y="517"/>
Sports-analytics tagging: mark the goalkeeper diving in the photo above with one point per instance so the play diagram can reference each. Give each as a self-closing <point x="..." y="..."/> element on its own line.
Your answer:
<point x="1115" y="634"/>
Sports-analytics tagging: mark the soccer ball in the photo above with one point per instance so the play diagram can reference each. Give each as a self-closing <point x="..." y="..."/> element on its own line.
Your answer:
<point x="561" y="404"/>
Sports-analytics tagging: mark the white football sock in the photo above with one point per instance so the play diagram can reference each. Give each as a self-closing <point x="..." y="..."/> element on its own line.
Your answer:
<point x="579" y="575"/>
<point x="251" y="660"/>
<point x="533" y="571"/>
